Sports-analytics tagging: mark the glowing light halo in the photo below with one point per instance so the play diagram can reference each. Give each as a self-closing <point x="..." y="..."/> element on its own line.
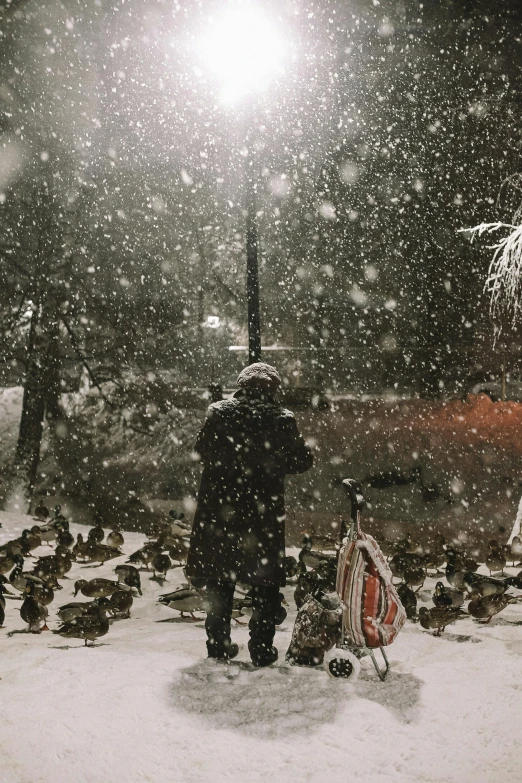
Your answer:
<point x="244" y="49"/>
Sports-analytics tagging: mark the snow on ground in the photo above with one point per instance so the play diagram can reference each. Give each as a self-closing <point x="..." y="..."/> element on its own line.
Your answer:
<point x="144" y="704"/>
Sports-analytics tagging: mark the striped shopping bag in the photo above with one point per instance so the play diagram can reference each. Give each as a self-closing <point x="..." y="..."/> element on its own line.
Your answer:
<point x="372" y="611"/>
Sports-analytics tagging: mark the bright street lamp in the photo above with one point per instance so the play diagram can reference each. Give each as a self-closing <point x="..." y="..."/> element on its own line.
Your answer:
<point x="245" y="50"/>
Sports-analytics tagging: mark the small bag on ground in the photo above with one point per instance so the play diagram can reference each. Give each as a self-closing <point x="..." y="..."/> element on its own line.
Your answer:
<point x="317" y="629"/>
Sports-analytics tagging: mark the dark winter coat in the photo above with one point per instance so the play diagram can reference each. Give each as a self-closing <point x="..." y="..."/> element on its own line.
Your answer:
<point x="247" y="446"/>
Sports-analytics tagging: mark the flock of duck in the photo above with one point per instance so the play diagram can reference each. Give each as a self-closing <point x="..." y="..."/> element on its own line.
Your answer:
<point x="112" y="599"/>
<point x="411" y="563"/>
<point x="166" y="547"/>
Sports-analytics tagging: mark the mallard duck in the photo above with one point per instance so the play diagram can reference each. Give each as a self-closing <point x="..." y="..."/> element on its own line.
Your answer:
<point x="19" y="579"/>
<point x="401" y="561"/>
<point x="41" y="511"/>
<point x="43" y="593"/>
<point x="242" y="606"/>
<point x="446" y="596"/>
<point x="3" y="589"/>
<point x="439" y="617"/>
<point x="516" y="549"/>
<point x="120" y="602"/>
<point x="47" y="533"/>
<point x="56" y="565"/>
<point x="160" y="565"/>
<point x="408" y="600"/>
<point x="99" y="553"/>
<point x="414" y="576"/>
<point x="145" y="555"/>
<point x="64" y="537"/>
<point x="496" y="559"/>
<point x="7" y="561"/>
<point x="96" y="588"/>
<point x="178" y="524"/>
<point x="71" y="611"/>
<point x="22" y="544"/>
<point x="115" y="538"/>
<point x="291" y="567"/>
<point x="33" y="612"/>
<point x="185" y="600"/>
<point x="307" y="584"/>
<point x="129" y="575"/>
<point x="454" y="569"/>
<point x="89" y="626"/>
<point x="312" y="558"/>
<point x="484" y="585"/>
<point x="96" y="534"/>
<point x="485" y="607"/>
<point x="433" y="561"/>
<point x="79" y="547"/>
<point x="179" y="550"/>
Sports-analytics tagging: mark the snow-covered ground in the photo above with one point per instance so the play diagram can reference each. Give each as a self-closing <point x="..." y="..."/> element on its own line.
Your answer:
<point x="144" y="704"/>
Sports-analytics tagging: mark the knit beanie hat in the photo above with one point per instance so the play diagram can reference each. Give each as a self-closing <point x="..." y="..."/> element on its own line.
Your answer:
<point x="259" y="376"/>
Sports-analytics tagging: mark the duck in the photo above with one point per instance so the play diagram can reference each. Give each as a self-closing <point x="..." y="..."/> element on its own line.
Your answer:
<point x="454" y="569"/>
<point x="185" y="600"/>
<point x="69" y="612"/>
<point x="41" y="511"/>
<point x="145" y="555"/>
<point x="64" y="537"/>
<point x="58" y="517"/>
<point x="434" y="560"/>
<point x="414" y="576"/>
<point x="446" y="596"/>
<point x="94" y="553"/>
<point x="56" y="565"/>
<point x="485" y="585"/>
<point x="89" y="626"/>
<point x="47" y="533"/>
<point x="3" y="590"/>
<point x="19" y="579"/>
<point x="79" y="547"/>
<point x="7" y="561"/>
<point x="96" y="588"/>
<point x="516" y="549"/>
<point x="119" y="604"/>
<point x="496" y="559"/>
<point x="398" y="564"/>
<point x="22" y="544"/>
<point x="178" y="551"/>
<point x="179" y="526"/>
<point x="33" y="612"/>
<point x="43" y="593"/>
<point x="241" y="607"/>
<point x="96" y="534"/>
<point x="485" y="607"/>
<point x="408" y="600"/>
<point x="312" y="558"/>
<point x="439" y="617"/>
<point x="291" y="567"/>
<point x="115" y="538"/>
<point x="129" y="575"/>
<point x="307" y="584"/>
<point x="160" y="565"/>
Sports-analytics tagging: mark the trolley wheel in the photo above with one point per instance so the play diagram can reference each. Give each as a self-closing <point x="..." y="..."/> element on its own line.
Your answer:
<point x="342" y="664"/>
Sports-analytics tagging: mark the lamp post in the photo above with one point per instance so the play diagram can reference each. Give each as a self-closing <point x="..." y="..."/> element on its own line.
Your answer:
<point x="244" y="50"/>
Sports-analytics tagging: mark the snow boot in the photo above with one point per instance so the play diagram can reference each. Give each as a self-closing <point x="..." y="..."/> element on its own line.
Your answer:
<point x="224" y="653"/>
<point x="262" y="656"/>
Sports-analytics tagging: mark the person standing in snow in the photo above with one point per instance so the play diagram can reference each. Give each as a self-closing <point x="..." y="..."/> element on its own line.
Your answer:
<point x="247" y="446"/>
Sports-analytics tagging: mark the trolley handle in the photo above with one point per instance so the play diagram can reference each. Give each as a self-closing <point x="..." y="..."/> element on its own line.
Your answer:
<point x="354" y="492"/>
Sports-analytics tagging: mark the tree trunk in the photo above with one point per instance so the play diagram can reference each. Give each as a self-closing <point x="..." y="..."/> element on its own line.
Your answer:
<point x="31" y="425"/>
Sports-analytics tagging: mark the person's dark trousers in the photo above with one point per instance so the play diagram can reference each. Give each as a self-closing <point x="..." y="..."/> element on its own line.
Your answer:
<point x="219" y="614"/>
<point x="266" y="604"/>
